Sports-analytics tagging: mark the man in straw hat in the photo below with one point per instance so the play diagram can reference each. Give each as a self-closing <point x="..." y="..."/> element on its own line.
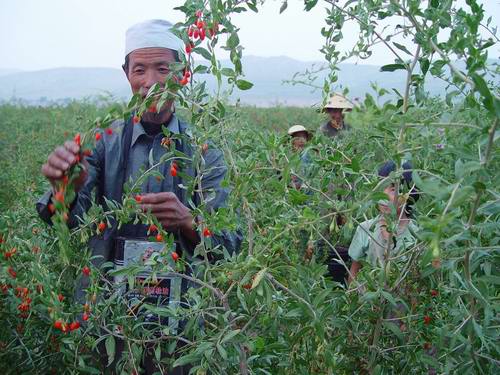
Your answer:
<point x="121" y="153"/>
<point x="335" y="109"/>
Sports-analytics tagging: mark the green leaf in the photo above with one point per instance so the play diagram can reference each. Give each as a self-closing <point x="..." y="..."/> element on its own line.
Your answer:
<point x="394" y="328"/>
<point x="204" y="52"/>
<point x="283" y="6"/>
<point x="222" y="351"/>
<point x="227" y="72"/>
<point x="110" y="348"/>
<point x="258" y="277"/>
<point x="392" y="67"/>
<point x="230" y="335"/>
<point x="244" y="85"/>
<point x="233" y="41"/>
<point x="309" y="4"/>
<point x="424" y="65"/>
<point x="186" y="359"/>
<point x="402" y="48"/>
<point x="252" y="6"/>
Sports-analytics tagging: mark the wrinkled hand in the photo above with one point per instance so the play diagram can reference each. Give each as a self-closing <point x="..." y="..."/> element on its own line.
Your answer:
<point x="60" y="161"/>
<point x="169" y="210"/>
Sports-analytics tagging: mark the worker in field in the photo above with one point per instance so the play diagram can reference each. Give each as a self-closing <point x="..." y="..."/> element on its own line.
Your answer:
<point x="335" y="108"/>
<point x="299" y="137"/>
<point x="128" y="148"/>
<point x="373" y="241"/>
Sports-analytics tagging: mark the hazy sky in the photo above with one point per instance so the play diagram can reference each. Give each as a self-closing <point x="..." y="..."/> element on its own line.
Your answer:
<point x="39" y="34"/>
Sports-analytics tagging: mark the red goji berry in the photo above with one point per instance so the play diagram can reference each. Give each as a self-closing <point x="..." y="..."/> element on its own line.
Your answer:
<point x="434" y="293"/>
<point x="152" y="228"/>
<point x="58" y="324"/>
<point x="77" y="139"/>
<point x="427" y="319"/>
<point x="173" y="171"/>
<point x="108" y="131"/>
<point x="85" y="317"/>
<point x="138" y="198"/>
<point x="12" y="272"/>
<point x="74" y="325"/>
<point x="51" y="208"/>
<point x="102" y="226"/>
<point x="87" y="152"/>
<point x="175" y="256"/>
<point x="86" y="271"/>
<point x="60" y="297"/>
<point x="159" y="237"/>
<point x="189" y="48"/>
<point x="59" y="196"/>
<point x="184" y="81"/>
<point x="202" y="34"/>
<point x="196" y="34"/>
<point x="98" y="136"/>
<point x="206" y="232"/>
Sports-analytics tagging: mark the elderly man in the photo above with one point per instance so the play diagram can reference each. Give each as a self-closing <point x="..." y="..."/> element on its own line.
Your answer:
<point x="150" y="49"/>
<point x="335" y="109"/>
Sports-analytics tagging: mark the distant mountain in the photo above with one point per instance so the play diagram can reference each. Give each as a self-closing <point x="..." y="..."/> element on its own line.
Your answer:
<point x="4" y="72"/>
<point x="266" y="73"/>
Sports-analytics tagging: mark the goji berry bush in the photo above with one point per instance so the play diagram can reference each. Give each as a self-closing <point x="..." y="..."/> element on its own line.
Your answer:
<point x="272" y="308"/>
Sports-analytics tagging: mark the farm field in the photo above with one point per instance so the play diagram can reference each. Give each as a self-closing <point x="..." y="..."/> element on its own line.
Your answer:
<point x="284" y="311"/>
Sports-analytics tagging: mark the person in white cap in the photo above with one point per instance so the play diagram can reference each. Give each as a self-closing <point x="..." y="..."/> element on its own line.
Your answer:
<point x="128" y="148"/>
<point x="335" y="109"/>
<point x="300" y="135"/>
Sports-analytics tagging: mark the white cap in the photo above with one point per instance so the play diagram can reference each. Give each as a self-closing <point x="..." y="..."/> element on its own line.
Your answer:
<point x="297" y="128"/>
<point x="151" y="34"/>
<point x="338" y="101"/>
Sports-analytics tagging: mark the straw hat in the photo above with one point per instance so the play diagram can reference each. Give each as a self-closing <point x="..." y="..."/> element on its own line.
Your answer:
<point x="338" y="101"/>
<point x="298" y="128"/>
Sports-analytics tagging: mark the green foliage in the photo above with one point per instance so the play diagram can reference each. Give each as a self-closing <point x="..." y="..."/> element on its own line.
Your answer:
<point x="271" y="309"/>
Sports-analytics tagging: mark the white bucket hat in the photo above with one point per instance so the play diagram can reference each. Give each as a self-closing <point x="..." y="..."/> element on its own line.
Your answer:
<point x="298" y="128"/>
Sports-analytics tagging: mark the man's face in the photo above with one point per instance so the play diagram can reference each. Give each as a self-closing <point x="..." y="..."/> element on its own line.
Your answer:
<point x="147" y="66"/>
<point x="335" y="115"/>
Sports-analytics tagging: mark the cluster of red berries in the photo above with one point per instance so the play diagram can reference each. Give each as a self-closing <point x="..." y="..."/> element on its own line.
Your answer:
<point x="199" y="29"/>
<point x="64" y="327"/>
<point x="25" y="305"/>
<point x="98" y="135"/>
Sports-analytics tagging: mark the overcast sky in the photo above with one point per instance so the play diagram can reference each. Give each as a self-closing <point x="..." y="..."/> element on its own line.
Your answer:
<point x="40" y="34"/>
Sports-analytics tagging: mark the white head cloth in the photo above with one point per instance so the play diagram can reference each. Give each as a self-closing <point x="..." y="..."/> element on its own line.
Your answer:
<point x="152" y="33"/>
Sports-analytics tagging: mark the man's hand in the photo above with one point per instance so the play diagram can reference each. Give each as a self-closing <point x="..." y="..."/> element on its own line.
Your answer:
<point x="60" y="161"/>
<point x="171" y="213"/>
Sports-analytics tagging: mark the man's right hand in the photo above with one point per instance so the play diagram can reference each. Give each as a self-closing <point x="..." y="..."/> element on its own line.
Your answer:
<point x="60" y="161"/>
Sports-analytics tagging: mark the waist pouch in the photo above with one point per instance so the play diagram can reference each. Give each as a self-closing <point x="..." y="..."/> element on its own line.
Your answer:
<point x="161" y="289"/>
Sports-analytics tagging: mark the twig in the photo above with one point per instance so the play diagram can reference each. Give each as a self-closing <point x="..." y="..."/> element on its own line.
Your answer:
<point x="278" y="285"/>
